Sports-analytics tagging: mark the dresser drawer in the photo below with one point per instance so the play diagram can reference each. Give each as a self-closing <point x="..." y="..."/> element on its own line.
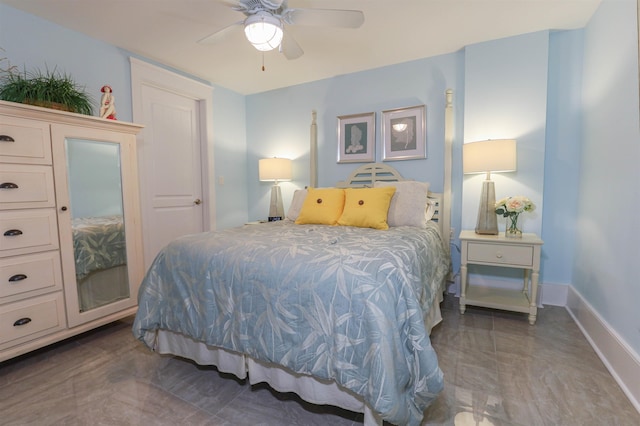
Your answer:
<point x="29" y="275"/>
<point x="27" y="231"/>
<point x="23" y="187"/>
<point x="31" y="319"/>
<point x="24" y="141"/>
<point x="508" y="254"/>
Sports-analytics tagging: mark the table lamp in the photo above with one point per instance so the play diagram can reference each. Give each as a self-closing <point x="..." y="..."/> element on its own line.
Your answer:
<point x="275" y="169"/>
<point x="495" y="155"/>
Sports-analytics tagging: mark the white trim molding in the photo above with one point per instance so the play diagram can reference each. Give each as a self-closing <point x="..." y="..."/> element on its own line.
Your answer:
<point x="144" y="73"/>
<point x="621" y="361"/>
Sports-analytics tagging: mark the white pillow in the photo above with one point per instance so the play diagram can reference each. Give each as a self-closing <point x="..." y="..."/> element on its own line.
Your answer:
<point x="296" y="204"/>
<point x="409" y="205"/>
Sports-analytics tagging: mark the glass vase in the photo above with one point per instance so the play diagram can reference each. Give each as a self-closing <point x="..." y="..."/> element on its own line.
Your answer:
<point x="512" y="230"/>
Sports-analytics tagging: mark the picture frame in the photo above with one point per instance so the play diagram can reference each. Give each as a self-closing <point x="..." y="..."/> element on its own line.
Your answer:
<point x="404" y="133"/>
<point x="356" y="138"/>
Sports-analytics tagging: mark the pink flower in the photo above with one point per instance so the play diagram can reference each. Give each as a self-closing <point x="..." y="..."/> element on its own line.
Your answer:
<point x="510" y="206"/>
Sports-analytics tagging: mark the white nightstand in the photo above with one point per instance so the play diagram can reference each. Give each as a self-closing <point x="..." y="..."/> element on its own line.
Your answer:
<point x="497" y="250"/>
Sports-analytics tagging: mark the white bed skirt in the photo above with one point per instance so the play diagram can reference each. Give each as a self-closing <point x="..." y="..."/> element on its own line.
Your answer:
<point x="103" y="287"/>
<point x="309" y="388"/>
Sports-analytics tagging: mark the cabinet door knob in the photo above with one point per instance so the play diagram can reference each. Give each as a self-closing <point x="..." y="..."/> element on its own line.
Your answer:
<point x="63" y="208"/>
<point x="197" y="202"/>
<point x="499" y="255"/>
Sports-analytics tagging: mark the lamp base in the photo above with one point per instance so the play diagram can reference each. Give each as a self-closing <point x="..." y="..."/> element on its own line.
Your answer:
<point x="276" y="209"/>
<point x="487" y="218"/>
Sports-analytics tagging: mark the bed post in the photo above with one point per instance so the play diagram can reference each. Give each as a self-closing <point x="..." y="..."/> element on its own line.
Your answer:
<point x="313" y="152"/>
<point x="448" y="148"/>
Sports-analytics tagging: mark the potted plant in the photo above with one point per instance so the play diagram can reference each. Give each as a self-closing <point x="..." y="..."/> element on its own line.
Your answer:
<point x="50" y="89"/>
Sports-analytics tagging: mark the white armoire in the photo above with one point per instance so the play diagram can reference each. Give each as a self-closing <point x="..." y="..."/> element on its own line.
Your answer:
<point x="70" y="234"/>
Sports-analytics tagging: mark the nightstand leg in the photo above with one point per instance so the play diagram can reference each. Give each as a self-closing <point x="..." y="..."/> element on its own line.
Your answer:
<point x="533" y="307"/>
<point x="463" y="288"/>
<point x="527" y="276"/>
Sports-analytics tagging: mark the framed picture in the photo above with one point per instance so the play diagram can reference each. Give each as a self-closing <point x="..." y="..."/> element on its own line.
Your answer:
<point x="356" y="138"/>
<point x="404" y="133"/>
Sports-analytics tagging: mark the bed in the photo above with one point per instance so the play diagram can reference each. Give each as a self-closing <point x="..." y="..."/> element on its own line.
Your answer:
<point x="100" y="260"/>
<point x="340" y="315"/>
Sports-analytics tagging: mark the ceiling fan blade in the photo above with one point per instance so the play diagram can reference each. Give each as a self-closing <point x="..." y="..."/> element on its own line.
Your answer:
<point x="290" y="47"/>
<point x="324" y="17"/>
<point x="219" y="36"/>
<point x="232" y="3"/>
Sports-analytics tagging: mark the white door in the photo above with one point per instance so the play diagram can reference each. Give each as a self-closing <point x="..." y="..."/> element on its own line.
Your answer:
<point x="173" y="165"/>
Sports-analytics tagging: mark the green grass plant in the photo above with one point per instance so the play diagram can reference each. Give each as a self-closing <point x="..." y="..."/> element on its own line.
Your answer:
<point x="48" y="89"/>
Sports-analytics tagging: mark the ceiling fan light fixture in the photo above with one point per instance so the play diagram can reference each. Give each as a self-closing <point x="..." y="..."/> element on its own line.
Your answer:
<point x="263" y="31"/>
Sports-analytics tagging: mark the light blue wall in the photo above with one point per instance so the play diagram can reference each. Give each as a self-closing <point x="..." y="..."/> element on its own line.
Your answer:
<point x="562" y="154"/>
<point x="506" y="98"/>
<point x="93" y="64"/>
<point x="278" y="122"/>
<point x="608" y="230"/>
<point x="34" y="44"/>
<point x="230" y="156"/>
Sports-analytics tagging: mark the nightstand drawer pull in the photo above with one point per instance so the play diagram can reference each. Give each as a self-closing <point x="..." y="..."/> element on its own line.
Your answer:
<point x="499" y="255"/>
<point x="6" y="138"/>
<point x="8" y="185"/>
<point x="22" y="321"/>
<point x="17" y="277"/>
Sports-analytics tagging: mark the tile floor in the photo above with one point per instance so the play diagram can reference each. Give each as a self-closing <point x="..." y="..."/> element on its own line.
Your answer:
<point x="498" y="371"/>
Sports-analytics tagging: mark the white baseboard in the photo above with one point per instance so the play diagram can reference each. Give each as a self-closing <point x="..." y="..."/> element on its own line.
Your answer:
<point x="621" y="361"/>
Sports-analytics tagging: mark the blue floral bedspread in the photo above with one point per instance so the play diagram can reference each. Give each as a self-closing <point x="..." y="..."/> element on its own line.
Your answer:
<point x="98" y="243"/>
<point x="335" y="302"/>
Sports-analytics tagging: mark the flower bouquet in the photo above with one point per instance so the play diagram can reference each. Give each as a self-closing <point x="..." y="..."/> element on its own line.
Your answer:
<point x="511" y="207"/>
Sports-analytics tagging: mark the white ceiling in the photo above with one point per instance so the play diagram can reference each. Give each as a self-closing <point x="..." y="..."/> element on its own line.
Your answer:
<point x="394" y="31"/>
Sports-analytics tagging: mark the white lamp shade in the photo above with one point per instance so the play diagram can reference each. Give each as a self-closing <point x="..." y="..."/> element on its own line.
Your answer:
<point x="263" y="31"/>
<point x="495" y="155"/>
<point x="274" y="169"/>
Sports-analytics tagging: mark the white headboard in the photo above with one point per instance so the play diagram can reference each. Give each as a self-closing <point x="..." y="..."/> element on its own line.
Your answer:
<point x="365" y="177"/>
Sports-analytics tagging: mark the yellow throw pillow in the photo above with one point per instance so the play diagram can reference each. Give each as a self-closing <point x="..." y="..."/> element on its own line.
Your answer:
<point x="321" y="206"/>
<point x="367" y="207"/>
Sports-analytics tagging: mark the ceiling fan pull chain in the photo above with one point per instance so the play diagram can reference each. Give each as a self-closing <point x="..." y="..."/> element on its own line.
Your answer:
<point x="263" y="61"/>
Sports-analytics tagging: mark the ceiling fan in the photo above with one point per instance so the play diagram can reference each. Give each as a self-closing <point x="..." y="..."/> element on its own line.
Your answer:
<point x="265" y="21"/>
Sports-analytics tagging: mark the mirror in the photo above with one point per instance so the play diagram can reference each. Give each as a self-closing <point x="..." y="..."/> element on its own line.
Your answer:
<point x="97" y="222"/>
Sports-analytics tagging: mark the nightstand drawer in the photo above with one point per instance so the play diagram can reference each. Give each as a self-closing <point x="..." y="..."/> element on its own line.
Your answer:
<point x="510" y="255"/>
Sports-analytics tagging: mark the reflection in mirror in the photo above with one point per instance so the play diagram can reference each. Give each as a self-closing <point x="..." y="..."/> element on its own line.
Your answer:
<point x="95" y="194"/>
